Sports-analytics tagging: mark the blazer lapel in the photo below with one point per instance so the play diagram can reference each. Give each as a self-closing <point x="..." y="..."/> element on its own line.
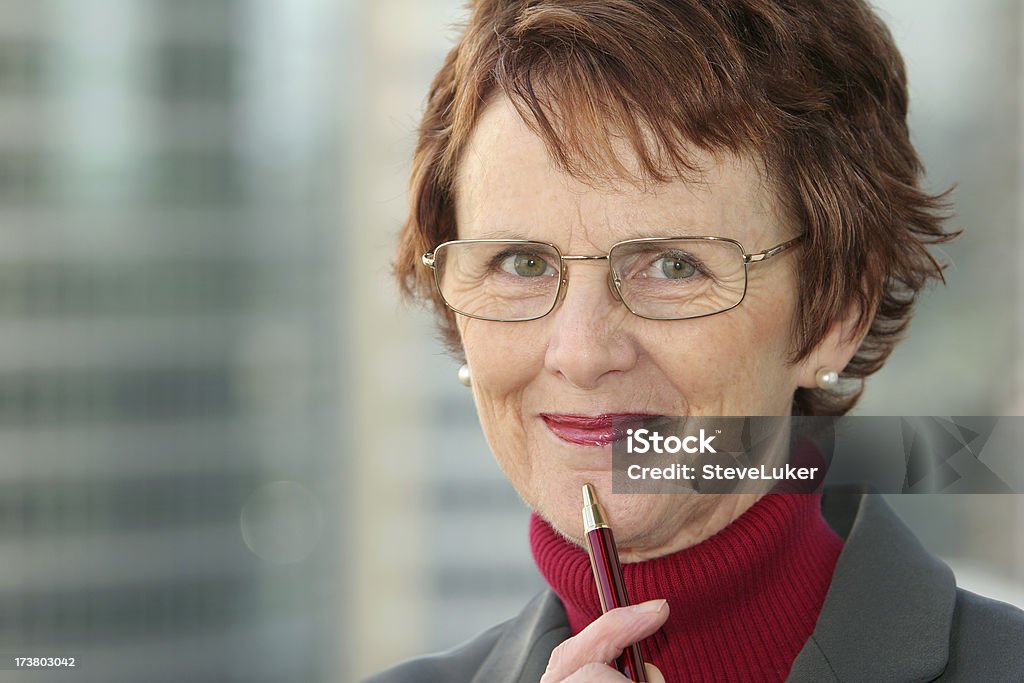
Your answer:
<point x="888" y="613"/>
<point x="523" y="651"/>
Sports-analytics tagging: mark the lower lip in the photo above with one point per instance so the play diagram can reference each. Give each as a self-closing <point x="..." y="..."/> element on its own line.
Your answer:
<point x="587" y="431"/>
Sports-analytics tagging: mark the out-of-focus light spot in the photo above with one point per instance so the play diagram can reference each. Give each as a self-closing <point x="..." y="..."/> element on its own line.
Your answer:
<point x="281" y="522"/>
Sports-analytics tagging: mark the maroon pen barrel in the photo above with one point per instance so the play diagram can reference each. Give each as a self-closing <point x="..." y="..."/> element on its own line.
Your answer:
<point x="604" y="560"/>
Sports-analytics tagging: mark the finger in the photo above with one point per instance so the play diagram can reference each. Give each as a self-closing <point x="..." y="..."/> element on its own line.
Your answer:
<point x="602" y="673"/>
<point x="654" y="674"/>
<point x="595" y="673"/>
<point x="604" y="639"/>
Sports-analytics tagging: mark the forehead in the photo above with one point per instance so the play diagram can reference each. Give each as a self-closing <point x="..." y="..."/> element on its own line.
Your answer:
<point x="509" y="186"/>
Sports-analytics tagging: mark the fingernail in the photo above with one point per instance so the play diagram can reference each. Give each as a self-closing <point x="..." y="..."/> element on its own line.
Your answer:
<point x="650" y="606"/>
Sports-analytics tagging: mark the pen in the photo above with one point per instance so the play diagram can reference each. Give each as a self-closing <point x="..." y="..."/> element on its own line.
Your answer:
<point x="604" y="560"/>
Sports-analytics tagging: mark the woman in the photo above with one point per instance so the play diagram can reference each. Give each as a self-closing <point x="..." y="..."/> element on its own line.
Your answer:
<point x="562" y="145"/>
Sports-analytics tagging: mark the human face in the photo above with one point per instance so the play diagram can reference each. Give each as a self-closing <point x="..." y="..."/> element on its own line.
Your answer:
<point x="591" y="356"/>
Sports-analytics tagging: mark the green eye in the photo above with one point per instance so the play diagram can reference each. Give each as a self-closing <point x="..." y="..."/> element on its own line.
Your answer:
<point x="528" y="265"/>
<point x="675" y="268"/>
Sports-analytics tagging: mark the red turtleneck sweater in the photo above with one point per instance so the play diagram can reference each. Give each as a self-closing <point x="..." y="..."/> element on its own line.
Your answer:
<point x="742" y="602"/>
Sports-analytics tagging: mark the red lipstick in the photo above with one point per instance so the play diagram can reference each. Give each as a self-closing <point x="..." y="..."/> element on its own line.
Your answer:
<point x="587" y="430"/>
<point x="604" y="561"/>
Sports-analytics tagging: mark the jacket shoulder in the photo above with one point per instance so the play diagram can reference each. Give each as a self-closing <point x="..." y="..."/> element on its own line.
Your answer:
<point x="516" y="650"/>
<point x="986" y="640"/>
<point x="458" y="664"/>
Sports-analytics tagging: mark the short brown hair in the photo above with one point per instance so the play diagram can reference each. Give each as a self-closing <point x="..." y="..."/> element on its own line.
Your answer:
<point x="816" y="89"/>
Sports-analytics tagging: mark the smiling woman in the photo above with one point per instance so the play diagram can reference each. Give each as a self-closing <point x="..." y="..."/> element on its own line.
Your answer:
<point x="651" y="208"/>
<point x="546" y="387"/>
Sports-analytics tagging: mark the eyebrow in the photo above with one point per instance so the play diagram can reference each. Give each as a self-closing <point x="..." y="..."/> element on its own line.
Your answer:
<point x="631" y="234"/>
<point x="647" y="233"/>
<point x="501" y="234"/>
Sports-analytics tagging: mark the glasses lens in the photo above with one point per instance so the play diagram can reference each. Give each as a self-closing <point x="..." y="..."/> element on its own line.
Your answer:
<point x="498" y="280"/>
<point x="679" y="278"/>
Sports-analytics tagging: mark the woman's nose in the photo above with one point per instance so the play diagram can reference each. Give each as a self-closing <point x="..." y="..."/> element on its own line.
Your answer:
<point x="589" y="329"/>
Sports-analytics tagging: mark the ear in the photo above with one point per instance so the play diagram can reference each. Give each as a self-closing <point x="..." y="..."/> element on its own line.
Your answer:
<point x="836" y="348"/>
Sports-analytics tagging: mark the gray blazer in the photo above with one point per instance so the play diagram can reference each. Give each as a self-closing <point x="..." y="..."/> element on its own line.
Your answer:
<point x="892" y="613"/>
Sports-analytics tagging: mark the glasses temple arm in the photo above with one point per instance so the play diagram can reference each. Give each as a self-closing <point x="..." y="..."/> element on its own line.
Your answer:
<point x="768" y="253"/>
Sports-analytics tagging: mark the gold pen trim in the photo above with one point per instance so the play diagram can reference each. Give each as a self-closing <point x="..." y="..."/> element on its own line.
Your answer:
<point x="593" y="514"/>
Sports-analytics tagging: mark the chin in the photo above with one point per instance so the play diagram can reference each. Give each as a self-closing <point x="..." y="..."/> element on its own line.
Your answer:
<point x="636" y="519"/>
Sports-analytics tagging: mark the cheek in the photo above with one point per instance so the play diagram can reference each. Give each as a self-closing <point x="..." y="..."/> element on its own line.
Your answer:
<point x="504" y="360"/>
<point x="730" y="364"/>
<point x="502" y="356"/>
<point x="759" y="367"/>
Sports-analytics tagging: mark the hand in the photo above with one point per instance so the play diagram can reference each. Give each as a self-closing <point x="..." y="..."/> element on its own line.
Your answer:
<point x="585" y="656"/>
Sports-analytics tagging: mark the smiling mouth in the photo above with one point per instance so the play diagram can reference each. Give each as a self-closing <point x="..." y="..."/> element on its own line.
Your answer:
<point x="592" y="430"/>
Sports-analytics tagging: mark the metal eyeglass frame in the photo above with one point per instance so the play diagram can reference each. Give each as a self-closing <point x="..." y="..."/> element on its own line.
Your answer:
<point x="613" y="282"/>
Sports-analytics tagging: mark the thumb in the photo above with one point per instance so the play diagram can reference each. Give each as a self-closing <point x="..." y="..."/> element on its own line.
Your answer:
<point x="653" y="673"/>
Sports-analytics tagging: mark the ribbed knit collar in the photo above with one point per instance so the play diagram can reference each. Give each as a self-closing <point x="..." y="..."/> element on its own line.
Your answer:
<point x="743" y="601"/>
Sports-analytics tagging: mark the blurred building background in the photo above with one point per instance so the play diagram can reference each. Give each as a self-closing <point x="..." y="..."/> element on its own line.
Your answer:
<point x="227" y="451"/>
<point x="170" y="358"/>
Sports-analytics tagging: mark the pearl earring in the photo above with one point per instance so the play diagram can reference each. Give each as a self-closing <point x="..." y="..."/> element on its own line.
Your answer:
<point x="827" y="378"/>
<point x="464" y="376"/>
